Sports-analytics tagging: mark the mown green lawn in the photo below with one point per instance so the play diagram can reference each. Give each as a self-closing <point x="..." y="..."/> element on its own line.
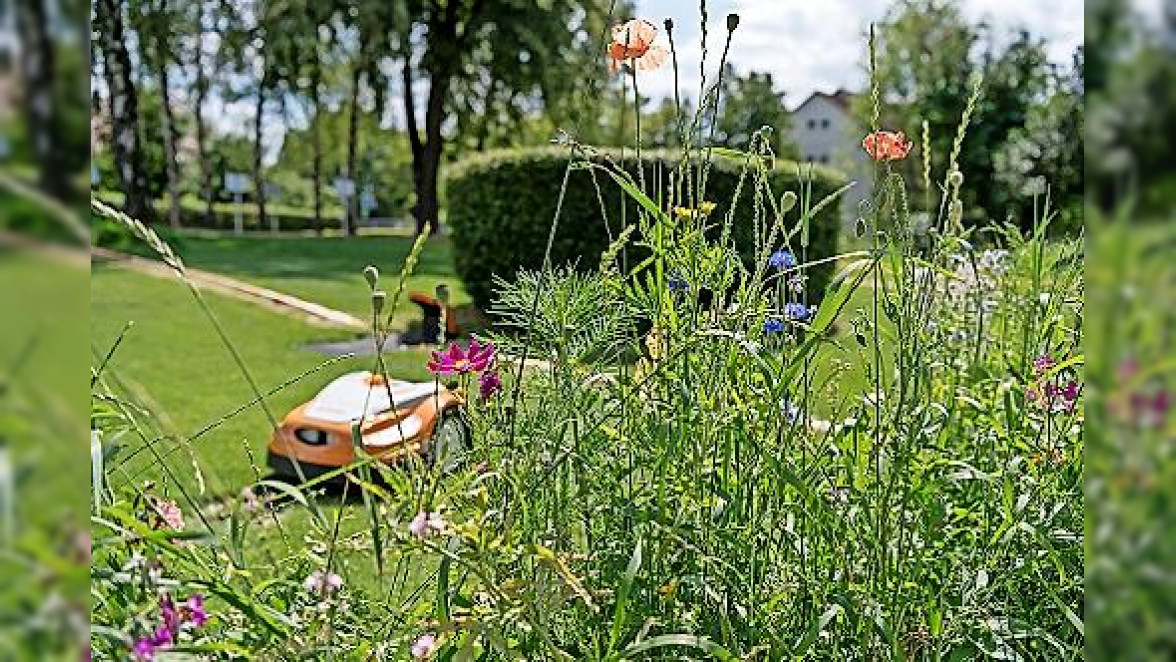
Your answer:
<point x="172" y="361"/>
<point x="327" y="270"/>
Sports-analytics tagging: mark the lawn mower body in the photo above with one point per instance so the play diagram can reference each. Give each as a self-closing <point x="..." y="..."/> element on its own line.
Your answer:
<point x="398" y="419"/>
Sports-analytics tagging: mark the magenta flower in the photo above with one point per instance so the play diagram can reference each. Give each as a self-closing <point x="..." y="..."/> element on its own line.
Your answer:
<point x="163" y="637"/>
<point x="1043" y="363"/>
<point x="424" y="647"/>
<point x="458" y="361"/>
<point x="1151" y="410"/>
<point x="194" y="611"/>
<point x="426" y="523"/>
<point x="490" y="384"/>
<point x="169" y="614"/>
<point x="144" y="649"/>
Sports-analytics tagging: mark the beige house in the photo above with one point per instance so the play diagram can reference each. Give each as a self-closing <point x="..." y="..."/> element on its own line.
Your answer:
<point x="825" y="132"/>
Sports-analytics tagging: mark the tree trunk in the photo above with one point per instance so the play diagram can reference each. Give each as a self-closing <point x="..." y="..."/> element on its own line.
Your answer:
<point x="317" y="141"/>
<point x="428" y="201"/>
<point x="202" y="84"/>
<point x="124" y="109"/>
<point x="171" y="167"/>
<point x="39" y="74"/>
<point x="352" y="222"/>
<point x="258" y="179"/>
<point x="414" y="139"/>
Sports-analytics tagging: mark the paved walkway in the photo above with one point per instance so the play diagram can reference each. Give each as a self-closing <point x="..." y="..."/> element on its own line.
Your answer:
<point x="280" y="301"/>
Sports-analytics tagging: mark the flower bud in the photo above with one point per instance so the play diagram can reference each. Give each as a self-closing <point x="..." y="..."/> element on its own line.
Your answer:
<point x="371" y="275"/>
<point x="379" y="297"/>
<point x="732" y="22"/>
<point x="443" y="293"/>
<point x="787" y="202"/>
<point x="955" y="178"/>
<point x="669" y="23"/>
<point x="859" y="228"/>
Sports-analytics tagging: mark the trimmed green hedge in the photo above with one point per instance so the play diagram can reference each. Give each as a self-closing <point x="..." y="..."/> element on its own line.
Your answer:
<point x="500" y="205"/>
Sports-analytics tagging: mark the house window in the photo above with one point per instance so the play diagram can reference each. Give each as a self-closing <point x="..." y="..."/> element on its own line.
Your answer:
<point x="812" y="124"/>
<point x="825" y="123"/>
<point x="810" y="157"/>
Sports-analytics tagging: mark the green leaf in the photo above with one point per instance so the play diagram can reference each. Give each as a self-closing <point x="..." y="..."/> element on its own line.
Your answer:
<point x="688" y="640"/>
<point x="623" y="596"/>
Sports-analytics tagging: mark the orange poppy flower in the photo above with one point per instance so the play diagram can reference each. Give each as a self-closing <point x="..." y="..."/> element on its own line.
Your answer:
<point x="632" y="44"/>
<point x="887" y="145"/>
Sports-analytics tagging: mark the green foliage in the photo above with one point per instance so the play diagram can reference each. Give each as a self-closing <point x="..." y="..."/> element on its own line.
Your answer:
<point x="1130" y="474"/>
<point x="749" y="103"/>
<point x="929" y="55"/>
<point x="501" y="205"/>
<point x="384" y="163"/>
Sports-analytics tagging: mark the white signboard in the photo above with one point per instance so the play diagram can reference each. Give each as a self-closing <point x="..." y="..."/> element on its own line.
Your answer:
<point x="367" y="200"/>
<point x="236" y="182"/>
<point x="344" y="187"/>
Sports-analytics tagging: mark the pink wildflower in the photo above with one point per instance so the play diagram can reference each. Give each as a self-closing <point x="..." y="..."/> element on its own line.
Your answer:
<point x="458" y="361"/>
<point x="490" y="383"/>
<point x="249" y="498"/>
<point x="169" y="514"/>
<point x="1043" y="363"/>
<point x="323" y="583"/>
<point x="424" y="647"/>
<point x="426" y="523"/>
<point x="194" y="612"/>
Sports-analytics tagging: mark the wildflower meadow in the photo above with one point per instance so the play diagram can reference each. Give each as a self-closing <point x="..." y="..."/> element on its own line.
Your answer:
<point x="686" y="446"/>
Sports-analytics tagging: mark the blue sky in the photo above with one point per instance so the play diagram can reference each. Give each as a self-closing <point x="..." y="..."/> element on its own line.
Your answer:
<point x="810" y="45"/>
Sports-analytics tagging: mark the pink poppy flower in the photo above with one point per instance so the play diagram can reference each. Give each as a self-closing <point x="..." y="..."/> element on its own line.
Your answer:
<point x="458" y="361"/>
<point x="633" y="45"/>
<point x="887" y="145"/>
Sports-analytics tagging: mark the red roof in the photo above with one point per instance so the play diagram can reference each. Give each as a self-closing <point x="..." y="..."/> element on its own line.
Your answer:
<point x="841" y="98"/>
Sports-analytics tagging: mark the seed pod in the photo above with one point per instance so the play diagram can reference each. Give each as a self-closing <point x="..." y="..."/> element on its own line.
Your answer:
<point x="669" y="23"/>
<point x="732" y="22"/>
<point x="371" y="275"/>
<point x="787" y="202"/>
<point x="379" y="297"/>
<point x="859" y="228"/>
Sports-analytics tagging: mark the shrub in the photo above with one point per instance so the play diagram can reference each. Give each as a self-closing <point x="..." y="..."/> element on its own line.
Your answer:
<point x="501" y="203"/>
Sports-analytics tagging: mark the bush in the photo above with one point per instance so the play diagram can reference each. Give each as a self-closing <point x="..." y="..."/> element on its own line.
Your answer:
<point x="500" y="206"/>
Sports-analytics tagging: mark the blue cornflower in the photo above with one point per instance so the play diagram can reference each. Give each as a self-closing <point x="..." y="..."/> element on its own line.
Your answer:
<point x="791" y="412"/>
<point x="677" y="283"/>
<point x="773" y="325"/>
<point x="798" y="312"/>
<point x="782" y="259"/>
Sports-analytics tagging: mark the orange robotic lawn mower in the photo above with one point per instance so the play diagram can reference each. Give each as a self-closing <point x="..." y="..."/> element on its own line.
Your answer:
<point x="398" y="419"/>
